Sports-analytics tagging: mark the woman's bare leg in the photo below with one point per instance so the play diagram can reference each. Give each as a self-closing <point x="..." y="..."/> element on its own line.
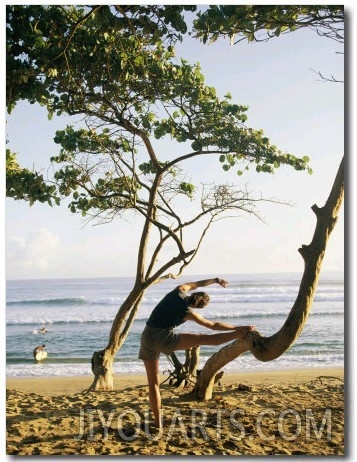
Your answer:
<point x="193" y="340"/>
<point x="152" y="372"/>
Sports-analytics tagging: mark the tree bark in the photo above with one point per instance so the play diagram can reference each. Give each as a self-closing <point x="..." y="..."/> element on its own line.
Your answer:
<point x="102" y="361"/>
<point x="186" y="373"/>
<point x="191" y="363"/>
<point x="102" y="368"/>
<point x="269" y="348"/>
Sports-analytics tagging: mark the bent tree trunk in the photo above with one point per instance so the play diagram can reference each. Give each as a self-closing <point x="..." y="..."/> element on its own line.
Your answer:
<point x="269" y="348"/>
<point x="102" y="361"/>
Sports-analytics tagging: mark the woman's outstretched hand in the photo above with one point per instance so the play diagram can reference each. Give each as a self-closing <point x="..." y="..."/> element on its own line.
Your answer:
<point x="222" y="282"/>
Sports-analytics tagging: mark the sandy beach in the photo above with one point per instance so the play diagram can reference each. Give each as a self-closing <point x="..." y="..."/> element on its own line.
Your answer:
<point x="276" y="413"/>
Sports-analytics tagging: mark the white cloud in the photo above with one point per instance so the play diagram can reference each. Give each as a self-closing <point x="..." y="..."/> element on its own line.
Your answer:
<point x="34" y="252"/>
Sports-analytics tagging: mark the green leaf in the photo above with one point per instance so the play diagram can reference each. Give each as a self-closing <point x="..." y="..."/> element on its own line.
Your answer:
<point x="196" y="146"/>
<point x="187" y="188"/>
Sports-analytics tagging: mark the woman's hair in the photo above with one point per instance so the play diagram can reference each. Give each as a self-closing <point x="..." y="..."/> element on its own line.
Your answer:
<point x="198" y="300"/>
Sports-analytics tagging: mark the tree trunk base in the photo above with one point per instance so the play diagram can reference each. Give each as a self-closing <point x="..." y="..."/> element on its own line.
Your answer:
<point x="102" y="368"/>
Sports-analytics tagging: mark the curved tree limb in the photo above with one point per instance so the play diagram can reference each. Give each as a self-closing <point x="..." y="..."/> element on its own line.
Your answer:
<point x="269" y="348"/>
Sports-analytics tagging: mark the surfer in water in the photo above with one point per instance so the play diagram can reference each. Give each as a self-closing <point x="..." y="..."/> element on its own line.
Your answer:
<point x="40" y="353"/>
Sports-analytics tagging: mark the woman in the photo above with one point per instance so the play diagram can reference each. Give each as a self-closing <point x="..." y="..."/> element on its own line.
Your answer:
<point x="159" y="337"/>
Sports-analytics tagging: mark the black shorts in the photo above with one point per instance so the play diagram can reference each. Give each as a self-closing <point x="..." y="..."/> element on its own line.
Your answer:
<point x="155" y="340"/>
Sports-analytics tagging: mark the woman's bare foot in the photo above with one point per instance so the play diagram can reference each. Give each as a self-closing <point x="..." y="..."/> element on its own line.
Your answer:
<point x="243" y="331"/>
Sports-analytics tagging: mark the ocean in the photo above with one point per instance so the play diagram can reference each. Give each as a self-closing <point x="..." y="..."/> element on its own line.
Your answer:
<point x="78" y="313"/>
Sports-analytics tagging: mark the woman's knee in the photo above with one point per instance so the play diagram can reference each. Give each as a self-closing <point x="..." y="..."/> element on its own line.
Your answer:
<point x="205" y="339"/>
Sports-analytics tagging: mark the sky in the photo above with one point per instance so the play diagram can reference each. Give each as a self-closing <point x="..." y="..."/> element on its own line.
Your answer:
<point x="298" y="111"/>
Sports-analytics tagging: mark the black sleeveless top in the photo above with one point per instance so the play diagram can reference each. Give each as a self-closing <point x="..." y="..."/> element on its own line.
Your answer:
<point x="171" y="311"/>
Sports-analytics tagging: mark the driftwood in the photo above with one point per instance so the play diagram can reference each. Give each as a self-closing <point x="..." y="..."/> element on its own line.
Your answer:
<point x="331" y="377"/>
<point x="183" y="374"/>
<point x="186" y="374"/>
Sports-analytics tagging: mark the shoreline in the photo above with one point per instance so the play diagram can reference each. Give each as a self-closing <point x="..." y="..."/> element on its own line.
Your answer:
<point x="77" y="384"/>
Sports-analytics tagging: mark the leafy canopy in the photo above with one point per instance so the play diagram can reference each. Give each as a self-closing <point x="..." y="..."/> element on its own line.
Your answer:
<point x="116" y="68"/>
<point x="263" y="22"/>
